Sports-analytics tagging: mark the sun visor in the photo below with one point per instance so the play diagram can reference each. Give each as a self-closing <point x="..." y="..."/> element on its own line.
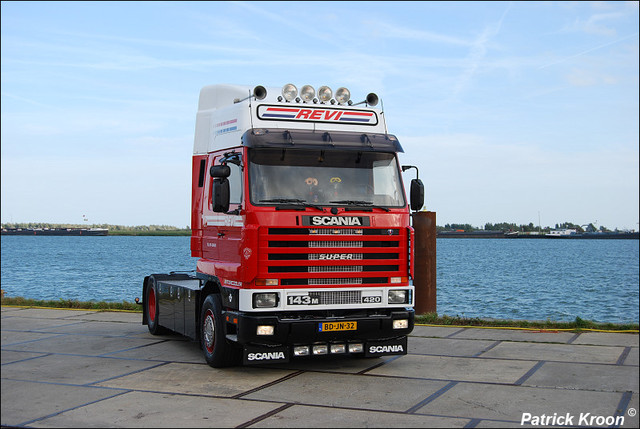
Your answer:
<point x="302" y="139"/>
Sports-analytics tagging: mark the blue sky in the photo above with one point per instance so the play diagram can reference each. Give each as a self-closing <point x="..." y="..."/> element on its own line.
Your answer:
<point x="514" y="112"/>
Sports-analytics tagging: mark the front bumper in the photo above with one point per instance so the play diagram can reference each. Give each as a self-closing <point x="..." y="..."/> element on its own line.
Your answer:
<point x="374" y="333"/>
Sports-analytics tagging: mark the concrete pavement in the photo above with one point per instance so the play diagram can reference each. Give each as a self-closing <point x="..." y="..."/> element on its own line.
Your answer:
<point x="68" y="368"/>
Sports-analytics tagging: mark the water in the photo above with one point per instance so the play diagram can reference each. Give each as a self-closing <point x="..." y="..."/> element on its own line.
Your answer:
<point x="507" y="279"/>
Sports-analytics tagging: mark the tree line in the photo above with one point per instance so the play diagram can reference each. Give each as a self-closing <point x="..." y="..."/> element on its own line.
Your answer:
<point x="124" y="228"/>
<point x="513" y="227"/>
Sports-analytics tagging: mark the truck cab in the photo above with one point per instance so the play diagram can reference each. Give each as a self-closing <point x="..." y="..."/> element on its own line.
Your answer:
<point x="302" y="228"/>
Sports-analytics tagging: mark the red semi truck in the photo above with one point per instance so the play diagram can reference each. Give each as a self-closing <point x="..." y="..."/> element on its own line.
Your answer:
<point x="302" y="228"/>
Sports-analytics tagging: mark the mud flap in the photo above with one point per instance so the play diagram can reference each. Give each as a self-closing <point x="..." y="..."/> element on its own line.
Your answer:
<point x="396" y="346"/>
<point x="253" y="355"/>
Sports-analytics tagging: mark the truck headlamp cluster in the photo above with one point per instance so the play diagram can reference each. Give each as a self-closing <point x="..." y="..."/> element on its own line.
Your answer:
<point x="308" y="94"/>
<point x="397" y="296"/>
<point x="265" y="300"/>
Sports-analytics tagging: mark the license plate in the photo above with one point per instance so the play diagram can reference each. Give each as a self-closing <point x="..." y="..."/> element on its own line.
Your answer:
<point x="337" y="326"/>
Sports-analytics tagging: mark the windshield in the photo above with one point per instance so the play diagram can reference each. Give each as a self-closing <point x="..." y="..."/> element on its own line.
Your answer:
<point x="324" y="177"/>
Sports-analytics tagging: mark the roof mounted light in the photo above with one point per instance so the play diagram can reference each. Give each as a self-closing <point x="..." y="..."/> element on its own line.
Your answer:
<point x="307" y="93"/>
<point x="343" y="95"/>
<point x="289" y="92"/>
<point x="325" y="94"/>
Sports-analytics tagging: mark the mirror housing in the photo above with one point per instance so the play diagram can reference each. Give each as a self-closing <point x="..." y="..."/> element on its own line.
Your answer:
<point x="220" y="171"/>
<point x="220" y="194"/>
<point x="417" y="194"/>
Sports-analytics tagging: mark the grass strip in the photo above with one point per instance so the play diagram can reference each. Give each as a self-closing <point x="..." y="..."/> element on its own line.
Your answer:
<point x="577" y="325"/>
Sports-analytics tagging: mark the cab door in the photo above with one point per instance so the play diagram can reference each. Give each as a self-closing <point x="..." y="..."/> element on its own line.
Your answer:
<point x="230" y="230"/>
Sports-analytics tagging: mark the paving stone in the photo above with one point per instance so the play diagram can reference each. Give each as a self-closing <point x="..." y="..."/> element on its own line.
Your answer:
<point x="491" y="401"/>
<point x="24" y="401"/>
<point x="607" y="339"/>
<point x="145" y="409"/>
<point x="455" y="368"/>
<point x="433" y="331"/>
<point x="515" y="335"/>
<point x="633" y="357"/>
<point x="106" y="316"/>
<point x="100" y="328"/>
<point x="9" y="356"/>
<point x="18" y="323"/>
<point x="13" y="338"/>
<point x="350" y="391"/>
<point x="82" y="344"/>
<point x="447" y="346"/>
<point x="556" y="352"/>
<point x="176" y="349"/>
<point x="198" y="379"/>
<point x="609" y="378"/>
<point x="51" y="313"/>
<point x="307" y="416"/>
<point x="79" y="370"/>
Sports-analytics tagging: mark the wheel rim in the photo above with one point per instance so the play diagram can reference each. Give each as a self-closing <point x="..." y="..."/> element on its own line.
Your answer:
<point x="208" y="331"/>
<point x="151" y="305"/>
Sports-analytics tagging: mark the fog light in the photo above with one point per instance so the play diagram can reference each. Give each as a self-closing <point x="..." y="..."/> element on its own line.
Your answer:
<point x="338" y="348"/>
<point x="401" y="324"/>
<point x="397" y="297"/>
<point x="265" y="300"/>
<point x="266" y="330"/>
<point x="301" y="351"/>
<point x="356" y="348"/>
<point x="320" y="349"/>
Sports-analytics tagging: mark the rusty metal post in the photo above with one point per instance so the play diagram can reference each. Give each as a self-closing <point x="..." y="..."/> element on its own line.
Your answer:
<point x="424" y="265"/>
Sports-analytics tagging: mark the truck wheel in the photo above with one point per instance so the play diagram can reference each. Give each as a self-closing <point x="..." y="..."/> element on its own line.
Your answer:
<point x="151" y="303"/>
<point x="218" y="352"/>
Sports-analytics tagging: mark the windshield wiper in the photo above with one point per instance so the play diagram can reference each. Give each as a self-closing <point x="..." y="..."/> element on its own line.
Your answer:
<point x="294" y="201"/>
<point x="359" y="203"/>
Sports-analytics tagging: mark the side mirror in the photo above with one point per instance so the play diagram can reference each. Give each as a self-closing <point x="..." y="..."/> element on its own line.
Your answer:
<point x="220" y="194"/>
<point x="220" y="171"/>
<point x="417" y="194"/>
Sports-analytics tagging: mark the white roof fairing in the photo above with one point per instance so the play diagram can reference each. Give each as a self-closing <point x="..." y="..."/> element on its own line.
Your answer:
<point x="222" y="119"/>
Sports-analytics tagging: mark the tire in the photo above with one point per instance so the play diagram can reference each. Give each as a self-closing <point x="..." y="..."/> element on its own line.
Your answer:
<point x="218" y="352"/>
<point x="151" y="307"/>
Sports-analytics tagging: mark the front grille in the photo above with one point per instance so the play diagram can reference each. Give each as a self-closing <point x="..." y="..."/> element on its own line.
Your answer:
<point x="336" y="269"/>
<point x="335" y="244"/>
<point x="337" y="297"/>
<point x="331" y="281"/>
<point x="332" y="256"/>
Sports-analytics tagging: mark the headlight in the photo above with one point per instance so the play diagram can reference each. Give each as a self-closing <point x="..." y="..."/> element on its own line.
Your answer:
<point x="265" y="300"/>
<point x="397" y="297"/>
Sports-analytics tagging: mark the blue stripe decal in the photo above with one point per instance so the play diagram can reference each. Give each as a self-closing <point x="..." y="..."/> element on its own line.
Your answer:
<point x="273" y="115"/>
